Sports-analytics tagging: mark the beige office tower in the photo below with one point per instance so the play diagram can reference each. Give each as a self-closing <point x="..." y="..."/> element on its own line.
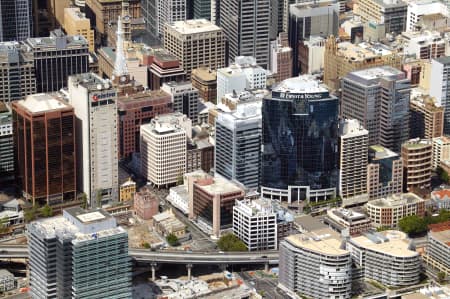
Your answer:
<point x="345" y="57"/>
<point x="94" y="102"/>
<point x="426" y="118"/>
<point x="353" y="147"/>
<point x="197" y="43"/>
<point x="417" y="155"/>
<point x="384" y="172"/>
<point x="391" y="13"/>
<point x="76" y="23"/>
<point x="163" y="148"/>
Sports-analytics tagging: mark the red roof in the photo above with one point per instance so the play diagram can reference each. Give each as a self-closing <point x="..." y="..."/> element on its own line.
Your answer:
<point x="439" y="227"/>
<point x="441" y="194"/>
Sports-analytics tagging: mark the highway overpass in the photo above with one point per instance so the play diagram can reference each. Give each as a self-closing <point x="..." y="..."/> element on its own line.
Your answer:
<point x="171" y="257"/>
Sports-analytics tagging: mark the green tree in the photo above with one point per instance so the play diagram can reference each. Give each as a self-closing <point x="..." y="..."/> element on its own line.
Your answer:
<point x="30" y="213"/>
<point x="172" y="240"/>
<point x="413" y="225"/>
<point x="441" y="276"/>
<point x="230" y="242"/>
<point x="3" y="225"/>
<point x="146" y="245"/>
<point x="84" y="203"/>
<point x="47" y="211"/>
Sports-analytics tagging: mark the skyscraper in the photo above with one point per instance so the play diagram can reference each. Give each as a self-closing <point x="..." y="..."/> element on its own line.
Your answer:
<point x="311" y="18"/>
<point x="353" y="151"/>
<point x="440" y="87"/>
<point x="246" y="25"/>
<point x="379" y="99"/>
<point x="81" y="254"/>
<point x="57" y="57"/>
<point x="184" y="98"/>
<point x="44" y="141"/>
<point x="300" y="142"/>
<point x="390" y="13"/>
<point x="16" y="21"/>
<point x="94" y="101"/>
<point x="202" y="9"/>
<point x="16" y="72"/>
<point x="6" y="144"/>
<point x="196" y="43"/>
<point x="238" y="144"/>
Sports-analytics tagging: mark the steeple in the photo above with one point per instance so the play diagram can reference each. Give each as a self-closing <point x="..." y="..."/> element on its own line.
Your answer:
<point x="120" y="65"/>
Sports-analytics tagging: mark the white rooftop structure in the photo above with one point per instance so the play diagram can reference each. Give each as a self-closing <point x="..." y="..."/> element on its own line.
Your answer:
<point x="194" y="26"/>
<point x="42" y="102"/>
<point x="301" y="84"/>
<point x="377" y="72"/>
<point x="394" y="243"/>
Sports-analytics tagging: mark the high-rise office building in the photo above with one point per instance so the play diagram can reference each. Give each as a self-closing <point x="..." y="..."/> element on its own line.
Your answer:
<point x="315" y="266"/>
<point x="44" y="142"/>
<point x="244" y="74"/>
<point x="149" y="10"/>
<point x="76" y="23"/>
<point x="184" y="98"/>
<point x="94" y="101"/>
<point x="201" y="9"/>
<point x="16" y="21"/>
<point x="246" y="26"/>
<point x="78" y="255"/>
<point x="311" y="55"/>
<point x="440" y="87"/>
<point x="165" y="67"/>
<point x="311" y="18"/>
<point x="238" y="144"/>
<point x="281" y="58"/>
<point x="163" y="148"/>
<point x="212" y="201"/>
<point x="300" y="142"/>
<point x="437" y="254"/>
<point x="135" y="110"/>
<point x="379" y="99"/>
<point x="170" y="11"/>
<point x="345" y="57"/>
<point x="57" y="57"/>
<point x="196" y="43"/>
<point x="390" y="13"/>
<point x="255" y="223"/>
<point x="103" y="13"/>
<point x="426" y="118"/>
<point x="417" y="156"/>
<point x="384" y="172"/>
<point x="17" y="76"/>
<point x="441" y="150"/>
<point x="353" y="152"/>
<point x="205" y="81"/>
<point x="6" y="144"/>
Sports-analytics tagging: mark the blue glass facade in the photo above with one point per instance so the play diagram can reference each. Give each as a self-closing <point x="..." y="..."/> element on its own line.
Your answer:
<point x="300" y="141"/>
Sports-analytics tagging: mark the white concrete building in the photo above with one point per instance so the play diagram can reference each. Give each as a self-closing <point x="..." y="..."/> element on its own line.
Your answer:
<point x="418" y="8"/>
<point x="94" y="102"/>
<point x="424" y="44"/>
<point x="163" y="148"/>
<point x="440" y="87"/>
<point x="255" y="223"/>
<point x="353" y="159"/>
<point x="316" y="50"/>
<point x="387" y="257"/>
<point x="184" y="98"/>
<point x="170" y="11"/>
<point x="243" y="74"/>
<point x="315" y="266"/>
<point x="441" y="150"/>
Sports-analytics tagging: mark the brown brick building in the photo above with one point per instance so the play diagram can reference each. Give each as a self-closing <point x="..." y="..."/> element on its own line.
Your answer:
<point x="44" y="140"/>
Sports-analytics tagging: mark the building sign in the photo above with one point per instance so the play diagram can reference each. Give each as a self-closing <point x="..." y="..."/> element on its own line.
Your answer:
<point x="300" y="96"/>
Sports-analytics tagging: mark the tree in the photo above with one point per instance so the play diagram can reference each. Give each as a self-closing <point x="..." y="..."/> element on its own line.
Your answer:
<point x="99" y="198"/>
<point x="146" y="245"/>
<point x="172" y="240"/>
<point x="413" y="225"/>
<point x="30" y="213"/>
<point x="441" y="276"/>
<point x="84" y="204"/>
<point x="230" y="242"/>
<point x="47" y="211"/>
<point x="3" y="225"/>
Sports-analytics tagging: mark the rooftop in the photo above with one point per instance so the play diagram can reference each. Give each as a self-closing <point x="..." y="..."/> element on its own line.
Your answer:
<point x="441" y="232"/>
<point x="204" y="74"/>
<point x="379" y="72"/>
<point x="301" y="84"/>
<point x="42" y="102"/>
<point x="396" y="200"/>
<point x="362" y="51"/>
<point x="91" y="81"/>
<point x="417" y="143"/>
<point x="381" y="152"/>
<point x="59" y="42"/>
<point x="322" y="244"/>
<point x="395" y="243"/>
<point x="218" y="185"/>
<point x="194" y="26"/>
<point x="88" y="216"/>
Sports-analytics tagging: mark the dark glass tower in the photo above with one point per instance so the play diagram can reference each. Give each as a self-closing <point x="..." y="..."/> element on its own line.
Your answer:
<point x="300" y="142"/>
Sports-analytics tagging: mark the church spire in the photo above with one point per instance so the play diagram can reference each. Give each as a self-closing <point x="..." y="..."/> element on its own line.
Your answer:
<point x="120" y="65"/>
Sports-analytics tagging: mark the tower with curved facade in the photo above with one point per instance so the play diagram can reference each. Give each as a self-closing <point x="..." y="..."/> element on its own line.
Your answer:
<point x="300" y="142"/>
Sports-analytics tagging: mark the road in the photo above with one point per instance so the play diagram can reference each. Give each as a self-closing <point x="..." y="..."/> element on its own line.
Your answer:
<point x="264" y="285"/>
<point x="173" y="257"/>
